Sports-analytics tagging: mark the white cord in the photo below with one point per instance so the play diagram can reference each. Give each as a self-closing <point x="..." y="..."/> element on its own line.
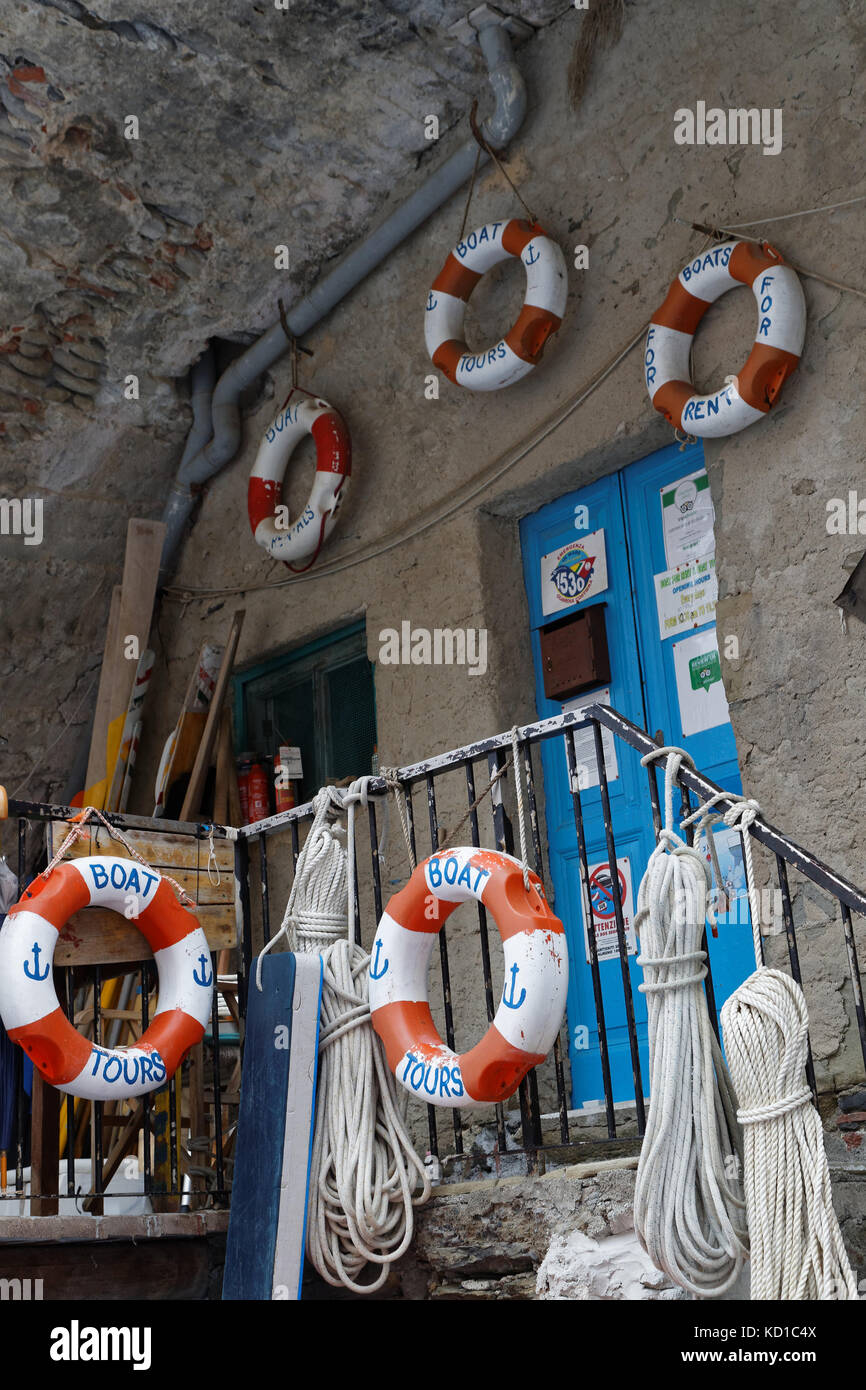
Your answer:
<point x="365" y="1176"/>
<point x="521" y="818"/>
<point x="797" y="1247"/>
<point x="688" y="1209"/>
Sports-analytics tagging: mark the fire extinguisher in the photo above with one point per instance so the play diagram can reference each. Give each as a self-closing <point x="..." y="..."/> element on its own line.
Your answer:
<point x="258" y="801"/>
<point x="244" y="764"/>
<point x="284" y="790"/>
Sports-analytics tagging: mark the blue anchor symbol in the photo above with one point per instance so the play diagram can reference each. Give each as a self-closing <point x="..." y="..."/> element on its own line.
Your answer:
<point x="205" y="979"/>
<point x="509" y="1003"/>
<point x="531" y="254"/>
<point x="35" y="973"/>
<point x="431" y="302"/>
<point x="375" y="972"/>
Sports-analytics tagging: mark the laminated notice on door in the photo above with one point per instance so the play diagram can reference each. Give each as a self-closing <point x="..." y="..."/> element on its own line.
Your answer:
<point x="687" y="519"/>
<point x="586" y="766"/>
<point x="686" y="596"/>
<point x="603" y="912"/>
<point x="701" y="693"/>
<point x="573" y="573"/>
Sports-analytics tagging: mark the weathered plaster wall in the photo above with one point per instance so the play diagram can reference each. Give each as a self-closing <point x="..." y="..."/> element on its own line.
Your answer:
<point x="609" y="176"/>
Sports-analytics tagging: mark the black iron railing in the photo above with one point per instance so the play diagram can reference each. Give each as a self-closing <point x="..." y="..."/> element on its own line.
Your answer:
<point x="476" y="763"/>
<point x="473" y="766"/>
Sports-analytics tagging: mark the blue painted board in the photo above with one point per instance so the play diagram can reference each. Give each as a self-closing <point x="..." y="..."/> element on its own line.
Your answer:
<point x="267" y="1225"/>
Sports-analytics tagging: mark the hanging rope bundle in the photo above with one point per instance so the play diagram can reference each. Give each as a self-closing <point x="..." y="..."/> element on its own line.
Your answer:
<point x="688" y="1209"/>
<point x="365" y="1176"/>
<point x="796" y="1244"/>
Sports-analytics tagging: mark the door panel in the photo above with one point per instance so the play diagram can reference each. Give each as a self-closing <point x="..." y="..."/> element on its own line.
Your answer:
<point x="629" y="508"/>
<point x="546" y="533"/>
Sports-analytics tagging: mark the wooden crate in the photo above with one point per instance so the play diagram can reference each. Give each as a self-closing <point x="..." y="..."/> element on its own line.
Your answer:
<point x="97" y="936"/>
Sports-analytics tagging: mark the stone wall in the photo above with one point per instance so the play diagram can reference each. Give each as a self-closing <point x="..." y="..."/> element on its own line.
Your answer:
<point x="609" y="176"/>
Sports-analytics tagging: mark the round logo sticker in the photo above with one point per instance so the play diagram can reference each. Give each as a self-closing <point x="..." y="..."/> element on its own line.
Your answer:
<point x="574" y="574"/>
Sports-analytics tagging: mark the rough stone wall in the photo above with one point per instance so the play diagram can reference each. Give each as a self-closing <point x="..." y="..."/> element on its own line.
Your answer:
<point x="257" y="128"/>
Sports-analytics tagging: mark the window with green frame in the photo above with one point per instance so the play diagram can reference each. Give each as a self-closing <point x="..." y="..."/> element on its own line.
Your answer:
<point x="320" y="698"/>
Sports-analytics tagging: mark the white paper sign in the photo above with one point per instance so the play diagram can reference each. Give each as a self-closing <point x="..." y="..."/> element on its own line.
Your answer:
<point x="291" y="763"/>
<point x="687" y="519"/>
<point x="686" y="596"/>
<point x="584" y="743"/>
<point x="603" y="915"/>
<point x="573" y="573"/>
<point x="698" y="667"/>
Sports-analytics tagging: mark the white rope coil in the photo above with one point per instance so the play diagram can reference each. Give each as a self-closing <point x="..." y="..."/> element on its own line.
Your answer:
<point x="365" y="1176"/>
<point x="688" y="1208"/>
<point x="797" y="1250"/>
<point x="797" y="1247"/>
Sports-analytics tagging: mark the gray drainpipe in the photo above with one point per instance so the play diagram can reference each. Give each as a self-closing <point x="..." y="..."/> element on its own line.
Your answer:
<point x="201" y="461"/>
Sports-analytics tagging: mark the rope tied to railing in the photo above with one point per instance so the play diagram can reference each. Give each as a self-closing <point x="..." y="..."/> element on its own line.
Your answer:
<point x="797" y="1250"/>
<point x="391" y="777"/>
<point x="365" y="1176"/>
<point x="688" y="1208"/>
<point x="79" y="832"/>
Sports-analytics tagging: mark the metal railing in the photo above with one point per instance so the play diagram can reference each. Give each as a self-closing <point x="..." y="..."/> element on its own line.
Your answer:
<point x="490" y="756"/>
<point x="110" y="1137"/>
<point x="474" y="766"/>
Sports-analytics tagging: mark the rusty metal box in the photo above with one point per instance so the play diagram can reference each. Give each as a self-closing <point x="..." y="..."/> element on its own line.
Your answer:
<point x="574" y="655"/>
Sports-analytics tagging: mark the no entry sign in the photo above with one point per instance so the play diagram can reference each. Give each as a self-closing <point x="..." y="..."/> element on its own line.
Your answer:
<point x="601" y="893"/>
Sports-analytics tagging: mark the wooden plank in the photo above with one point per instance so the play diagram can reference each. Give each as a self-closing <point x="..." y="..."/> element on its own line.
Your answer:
<point x="162" y="850"/>
<point x="97" y="936"/>
<point x="102" y="716"/>
<point x="64" y="1269"/>
<point x="132" y="722"/>
<point x="45" y="1146"/>
<point x="182" y="744"/>
<point x="144" y="541"/>
<point x="192" y="800"/>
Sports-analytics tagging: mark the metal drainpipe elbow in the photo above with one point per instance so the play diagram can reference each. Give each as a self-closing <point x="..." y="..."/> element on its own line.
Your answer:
<point x="204" y="462"/>
<point x="507" y="84"/>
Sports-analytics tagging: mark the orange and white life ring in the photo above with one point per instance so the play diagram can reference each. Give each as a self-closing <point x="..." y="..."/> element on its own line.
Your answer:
<point x="28" y="1002"/>
<point x="543" y="306"/>
<point x="303" y="538"/>
<point x="775" y="354"/>
<point x="533" y="998"/>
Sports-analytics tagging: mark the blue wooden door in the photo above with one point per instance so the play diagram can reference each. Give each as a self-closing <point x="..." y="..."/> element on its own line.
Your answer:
<point x="609" y="544"/>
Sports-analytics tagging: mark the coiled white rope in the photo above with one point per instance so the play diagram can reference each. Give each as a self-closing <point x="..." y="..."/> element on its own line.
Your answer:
<point x="796" y="1244"/>
<point x="365" y="1176"/>
<point x="689" y="1214"/>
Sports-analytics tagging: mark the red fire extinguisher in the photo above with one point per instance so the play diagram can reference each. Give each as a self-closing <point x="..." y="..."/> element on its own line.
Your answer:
<point x="244" y="765"/>
<point x="258" y="801"/>
<point x="284" y="789"/>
